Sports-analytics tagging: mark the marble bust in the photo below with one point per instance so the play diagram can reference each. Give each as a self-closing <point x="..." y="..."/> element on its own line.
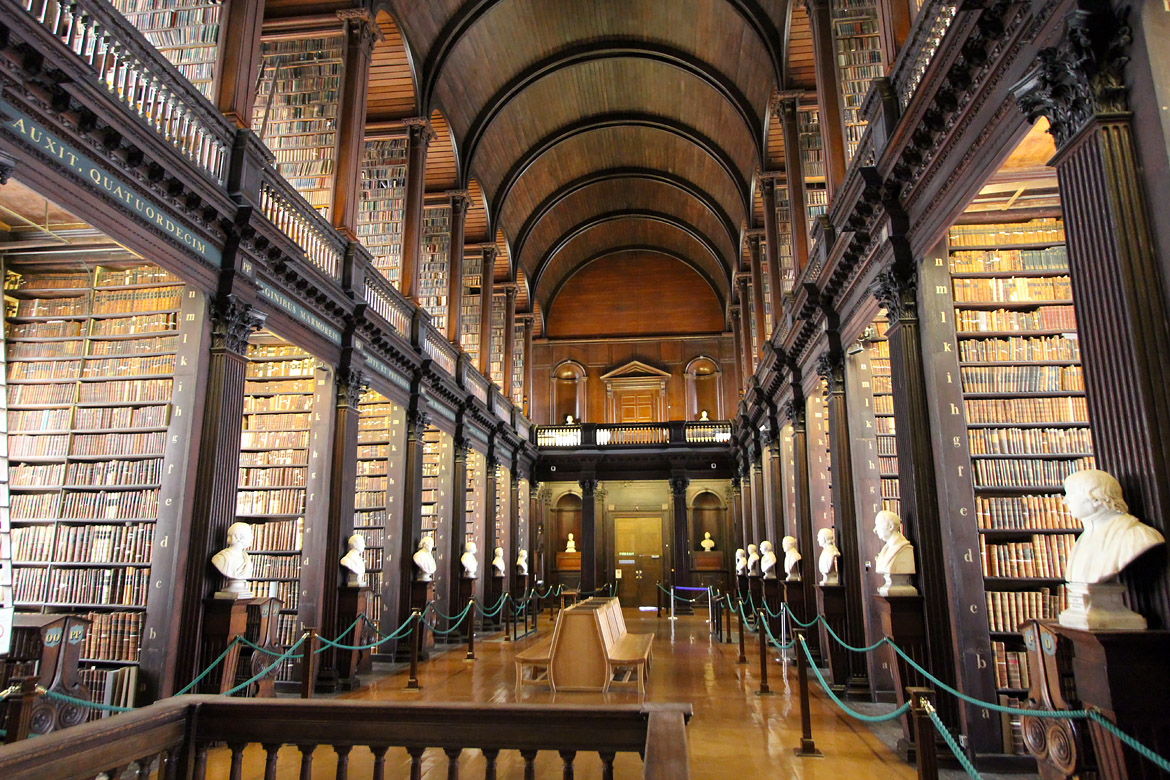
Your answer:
<point x="499" y="564"/>
<point x="470" y="561"/>
<point x="827" y="563"/>
<point x="424" y="560"/>
<point x="570" y="544"/>
<point x="767" y="560"/>
<point x="896" y="559"/>
<point x="354" y="562"/>
<point x="791" y="558"/>
<point x="703" y="416"/>
<point x="753" y="561"/>
<point x="522" y="563"/>
<point x="741" y="564"/>
<point x="708" y="544"/>
<point x="234" y="563"/>
<point x="1112" y="538"/>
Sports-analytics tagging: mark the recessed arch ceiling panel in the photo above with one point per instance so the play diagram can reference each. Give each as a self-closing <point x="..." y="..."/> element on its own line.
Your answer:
<point x="617" y="148"/>
<point x="629" y="233"/>
<point x="617" y="195"/>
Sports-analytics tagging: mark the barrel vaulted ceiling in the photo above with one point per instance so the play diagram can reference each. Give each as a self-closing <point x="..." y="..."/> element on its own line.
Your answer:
<point x="595" y="127"/>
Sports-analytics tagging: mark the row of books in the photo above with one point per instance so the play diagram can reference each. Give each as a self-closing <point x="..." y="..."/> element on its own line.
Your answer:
<point x="123" y="392"/>
<point x="1028" y="441"/>
<point x="884" y="426"/>
<point x="883" y="404"/>
<point x="132" y="326"/>
<point x="282" y="458"/>
<point x="1006" y="610"/>
<point x="186" y="34"/>
<point x="1022" y="379"/>
<point x="371" y="483"/>
<point x="1026" y="410"/>
<point x="1011" y="667"/>
<point x="85" y="505"/>
<point x="126" y="586"/>
<point x="888" y="465"/>
<point x="272" y="477"/>
<point x="890" y="488"/>
<point x="303" y="367"/>
<point x="1053" y="258"/>
<point x="275" y="567"/>
<point x="1015" y="289"/>
<point x="887" y="444"/>
<point x="112" y="687"/>
<point x="282" y="501"/>
<point x="1019" y="348"/>
<point x="137" y="444"/>
<point x="280" y="440"/>
<point x="278" y="421"/>
<point x="373" y="452"/>
<point x="1024" y="473"/>
<point x="278" y="535"/>
<point x="1036" y="231"/>
<point x="366" y="437"/>
<point x="291" y="402"/>
<point x="128" y="543"/>
<point x="1024" y="513"/>
<point x="375" y="537"/>
<point x="1041" y="556"/>
<point x="136" y="301"/>
<point x="286" y="386"/>
<point x="288" y="592"/>
<point x="113" y="636"/>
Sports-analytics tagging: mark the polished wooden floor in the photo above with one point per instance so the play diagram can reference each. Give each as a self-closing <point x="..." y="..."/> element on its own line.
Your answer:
<point x="734" y="732"/>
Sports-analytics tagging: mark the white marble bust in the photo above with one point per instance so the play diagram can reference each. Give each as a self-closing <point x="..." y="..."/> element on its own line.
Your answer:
<point x="354" y="562"/>
<point x="896" y="559"/>
<point x="522" y="563"/>
<point x="741" y="564"/>
<point x="499" y="564"/>
<point x="767" y="560"/>
<point x="703" y="416"/>
<point x="570" y="544"/>
<point x="470" y="561"/>
<point x="708" y="544"/>
<point x="827" y="563"/>
<point x="791" y="559"/>
<point x="234" y="563"/>
<point x="424" y="560"/>
<point x="1112" y="538"/>
<point x="753" y="561"/>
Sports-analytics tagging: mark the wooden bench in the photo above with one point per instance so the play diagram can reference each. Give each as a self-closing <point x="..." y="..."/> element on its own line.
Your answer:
<point x="535" y="660"/>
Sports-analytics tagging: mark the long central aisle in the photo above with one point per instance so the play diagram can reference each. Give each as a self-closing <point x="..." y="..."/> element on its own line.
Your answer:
<point x="734" y="733"/>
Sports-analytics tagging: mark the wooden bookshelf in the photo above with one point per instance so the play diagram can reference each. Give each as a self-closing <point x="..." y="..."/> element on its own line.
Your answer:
<point x="376" y="422"/>
<point x="784" y="243"/>
<point x="381" y="203"/>
<point x="469" y="312"/>
<point x="859" y="60"/>
<point x="820" y="476"/>
<point x="295" y="113"/>
<point x="435" y="264"/>
<point x="186" y="32"/>
<point x="812" y="164"/>
<point x="435" y="503"/>
<point x="98" y="404"/>
<point x="474" y="516"/>
<point x="500" y="526"/>
<point x="496" y="366"/>
<point x="518" y="358"/>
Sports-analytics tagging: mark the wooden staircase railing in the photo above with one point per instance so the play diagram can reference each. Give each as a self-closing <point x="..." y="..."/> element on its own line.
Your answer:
<point x="175" y="736"/>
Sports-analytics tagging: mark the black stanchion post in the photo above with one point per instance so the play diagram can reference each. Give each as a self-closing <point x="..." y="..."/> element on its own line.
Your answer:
<point x="728" y="611"/>
<point x="807" y="747"/>
<point x="764" y="689"/>
<point x="507" y="615"/>
<point x="742" y="654"/>
<point x="924" y="733"/>
<point x="471" y="630"/>
<point x="415" y="640"/>
<point x="658" y="601"/>
<point x="309" y="662"/>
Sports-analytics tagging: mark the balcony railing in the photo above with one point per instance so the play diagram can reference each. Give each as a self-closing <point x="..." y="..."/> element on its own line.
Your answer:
<point x="388" y="303"/>
<point x="179" y="737"/>
<point x="438" y="349"/>
<point x="475" y="383"/>
<point x="294" y="217"/>
<point x="140" y="78"/>
<point x="916" y="54"/>
<point x="634" y="434"/>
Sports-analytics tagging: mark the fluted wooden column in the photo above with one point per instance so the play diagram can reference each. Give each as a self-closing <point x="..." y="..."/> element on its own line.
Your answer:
<point x="409" y="537"/>
<point x="239" y="59"/>
<point x="745" y="325"/>
<point x="787" y="110"/>
<point x="526" y="374"/>
<point x="794" y="410"/>
<point x="741" y="359"/>
<point x="458" y="521"/>
<point x="360" y="34"/>
<point x="828" y="75"/>
<point x="761" y="324"/>
<point x="418" y="138"/>
<point x="509" y="356"/>
<point x="486" y="291"/>
<point x="588" y="533"/>
<point x="768" y="181"/>
<point x="459" y="203"/>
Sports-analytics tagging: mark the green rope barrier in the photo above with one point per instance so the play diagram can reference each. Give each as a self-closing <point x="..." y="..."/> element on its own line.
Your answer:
<point x="797" y="620"/>
<point x="950" y="740"/>
<point x="452" y="628"/>
<point x="191" y="685"/>
<point x="93" y="705"/>
<point x="494" y="610"/>
<point x="774" y="641"/>
<point x="1150" y="755"/>
<point x="677" y="597"/>
<point x="398" y="633"/>
<point x="851" y="648"/>
<point x="897" y="713"/>
<point x="263" y="672"/>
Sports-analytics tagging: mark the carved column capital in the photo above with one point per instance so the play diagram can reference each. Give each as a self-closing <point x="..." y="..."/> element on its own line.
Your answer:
<point x="360" y="26"/>
<point x="351" y="383"/>
<point x="419" y="131"/>
<point x="460" y="200"/>
<point x="897" y="291"/>
<point x="679" y="485"/>
<point x="794" y="413"/>
<point x="588" y="487"/>
<point x="417" y="421"/>
<point x="831" y="367"/>
<point x="232" y="322"/>
<point x="1082" y="76"/>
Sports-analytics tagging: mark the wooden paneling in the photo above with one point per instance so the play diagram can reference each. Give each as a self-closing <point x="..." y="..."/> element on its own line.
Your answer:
<point x="800" y="73"/>
<point x="476" y="225"/>
<point x="440" y="156"/>
<point x="391" y="90"/>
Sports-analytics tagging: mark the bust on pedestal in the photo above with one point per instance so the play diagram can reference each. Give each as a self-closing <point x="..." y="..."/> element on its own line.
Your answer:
<point x="791" y="559"/>
<point x="354" y="562"/>
<point x="1112" y="539"/>
<point x="707" y="544"/>
<point x="424" y="560"/>
<point x="234" y="563"/>
<point x="827" y="563"/>
<point x="741" y="563"/>
<point x="896" y="559"/>
<point x="499" y="565"/>
<point x="753" y="561"/>
<point x="522" y="563"/>
<point x="570" y="545"/>
<point x="767" y="561"/>
<point x="470" y="562"/>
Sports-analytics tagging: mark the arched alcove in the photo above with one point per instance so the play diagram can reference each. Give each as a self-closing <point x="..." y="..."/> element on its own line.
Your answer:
<point x="704" y="389"/>
<point x="568" y="392"/>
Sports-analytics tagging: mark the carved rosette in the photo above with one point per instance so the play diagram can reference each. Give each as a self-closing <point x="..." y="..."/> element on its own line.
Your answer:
<point x="831" y="367"/>
<point x="679" y="485"/>
<point x="897" y="292"/>
<point x="232" y="323"/>
<point x="588" y="487"/>
<point x="1081" y="77"/>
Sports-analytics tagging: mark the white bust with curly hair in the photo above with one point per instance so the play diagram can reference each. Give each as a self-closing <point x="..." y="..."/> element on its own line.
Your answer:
<point x="1112" y="538"/>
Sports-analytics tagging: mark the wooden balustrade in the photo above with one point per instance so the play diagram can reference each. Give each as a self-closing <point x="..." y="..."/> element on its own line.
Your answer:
<point x="140" y="78"/>
<point x="385" y="301"/>
<point x="438" y="349"/>
<point x="176" y="737"/>
<point x="475" y="383"/>
<point x="708" y="432"/>
<point x="677" y="432"/>
<point x="930" y="25"/>
<point x="292" y="215"/>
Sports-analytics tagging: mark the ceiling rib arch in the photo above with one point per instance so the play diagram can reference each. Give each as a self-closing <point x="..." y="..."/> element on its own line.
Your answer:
<point x="618" y="119"/>
<point x="612" y="49"/>
<point x="470" y="13"/>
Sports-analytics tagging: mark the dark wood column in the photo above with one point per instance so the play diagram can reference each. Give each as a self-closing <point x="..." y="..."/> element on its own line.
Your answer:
<point x="794" y="410"/>
<point x="458" y="522"/>
<point x="588" y="533"/>
<point x="745" y="329"/>
<point x="820" y="17"/>
<point x="491" y="541"/>
<point x="894" y="19"/>
<point x="343" y="472"/>
<point x="761" y="325"/>
<point x="745" y="503"/>
<point x="218" y="471"/>
<point x="514" y="524"/>
<point x="360" y="34"/>
<point x="459" y="203"/>
<point x="831" y="366"/>
<point x="418" y="138"/>
<point x="787" y="112"/>
<point x="741" y="359"/>
<point x="486" y="290"/>
<point x="772" y="245"/>
<point x="759" y="495"/>
<point x="734" y="499"/>
<point x="773" y="457"/>
<point x="506" y="381"/>
<point x="526" y="374"/>
<point x="1116" y="273"/>
<point x="680" y="563"/>
<point x="897" y="290"/>
<point x="239" y="59"/>
<point x="417" y="421"/>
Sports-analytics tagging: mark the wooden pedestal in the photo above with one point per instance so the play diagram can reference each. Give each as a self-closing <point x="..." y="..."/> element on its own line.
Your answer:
<point x="741" y="582"/>
<point x="351" y="604"/>
<point x="774" y="599"/>
<point x="223" y="621"/>
<point x="262" y="630"/>
<point x="1123" y="673"/>
<point x="421" y="594"/>
<point x="756" y="589"/>
<point x="496" y="586"/>
<point x="904" y="622"/>
<point x="831" y="606"/>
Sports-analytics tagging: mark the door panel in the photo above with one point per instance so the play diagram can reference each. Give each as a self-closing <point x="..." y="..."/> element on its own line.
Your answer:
<point x="638" y="543"/>
<point x="635" y="406"/>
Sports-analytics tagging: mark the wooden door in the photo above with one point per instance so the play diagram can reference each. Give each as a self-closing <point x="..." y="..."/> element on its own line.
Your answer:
<point x="638" y="543"/>
<point x="636" y="406"/>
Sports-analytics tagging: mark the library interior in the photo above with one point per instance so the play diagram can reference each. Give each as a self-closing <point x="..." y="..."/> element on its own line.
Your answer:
<point x="634" y="388"/>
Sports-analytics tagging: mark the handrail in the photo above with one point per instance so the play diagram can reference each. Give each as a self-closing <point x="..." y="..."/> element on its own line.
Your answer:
<point x="292" y="215"/>
<point x="389" y="304"/>
<point x="707" y="432"/>
<point x="502" y="407"/>
<point x="140" y="78"/>
<point x="558" y="436"/>
<point x="438" y="349"/>
<point x="183" y="728"/>
<point x="627" y="434"/>
<point x="925" y="39"/>
<point x="476" y="383"/>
